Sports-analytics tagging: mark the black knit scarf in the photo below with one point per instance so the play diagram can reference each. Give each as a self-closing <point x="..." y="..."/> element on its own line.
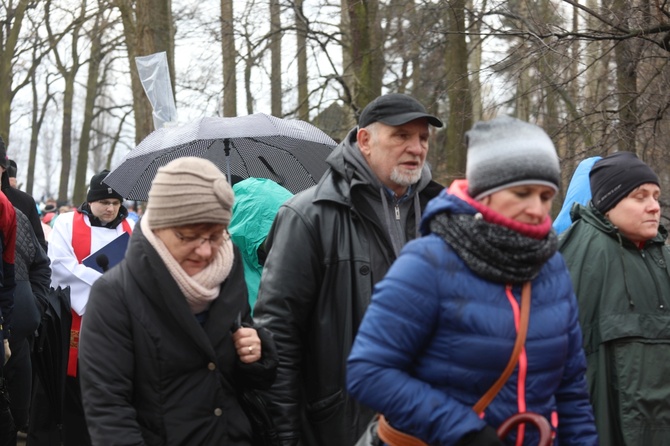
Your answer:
<point x="493" y="251"/>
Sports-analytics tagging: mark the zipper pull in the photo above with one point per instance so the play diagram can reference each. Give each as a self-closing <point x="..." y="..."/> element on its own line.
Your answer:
<point x="397" y="212"/>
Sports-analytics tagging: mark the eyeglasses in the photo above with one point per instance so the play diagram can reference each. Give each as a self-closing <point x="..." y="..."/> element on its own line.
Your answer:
<point x="214" y="240"/>
<point x="106" y="203"/>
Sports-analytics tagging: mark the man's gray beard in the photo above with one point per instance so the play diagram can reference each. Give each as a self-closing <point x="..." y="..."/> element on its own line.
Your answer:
<point x="405" y="179"/>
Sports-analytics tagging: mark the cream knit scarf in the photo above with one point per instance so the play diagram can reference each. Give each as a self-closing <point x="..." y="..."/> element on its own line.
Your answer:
<point x="202" y="288"/>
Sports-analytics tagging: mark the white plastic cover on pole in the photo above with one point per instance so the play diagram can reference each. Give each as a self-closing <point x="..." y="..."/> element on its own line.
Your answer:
<point x="155" y="78"/>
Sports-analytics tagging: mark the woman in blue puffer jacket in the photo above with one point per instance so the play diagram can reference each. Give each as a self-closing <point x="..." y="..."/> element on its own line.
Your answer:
<point x="442" y="324"/>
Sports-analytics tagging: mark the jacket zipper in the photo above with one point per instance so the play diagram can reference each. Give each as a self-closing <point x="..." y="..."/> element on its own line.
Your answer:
<point x="523" y="365"/>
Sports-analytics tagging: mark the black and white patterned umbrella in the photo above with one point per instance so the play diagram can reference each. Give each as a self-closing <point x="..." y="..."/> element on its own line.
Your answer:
<point x="290" y="152"/>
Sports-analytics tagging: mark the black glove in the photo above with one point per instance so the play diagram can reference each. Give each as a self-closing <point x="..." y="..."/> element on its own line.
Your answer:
<point x="484" y="437"/>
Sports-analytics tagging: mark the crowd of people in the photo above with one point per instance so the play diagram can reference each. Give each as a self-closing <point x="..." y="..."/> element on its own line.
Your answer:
<point x="375" y="306"/>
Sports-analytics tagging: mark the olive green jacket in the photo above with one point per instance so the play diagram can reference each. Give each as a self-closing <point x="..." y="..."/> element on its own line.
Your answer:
<point x="624" y="303"/>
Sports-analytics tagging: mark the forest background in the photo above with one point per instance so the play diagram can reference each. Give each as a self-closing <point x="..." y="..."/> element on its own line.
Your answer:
<point x="593" y="73"/>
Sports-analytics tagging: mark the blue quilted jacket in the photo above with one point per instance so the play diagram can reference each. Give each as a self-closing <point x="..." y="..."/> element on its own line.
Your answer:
<point x="436" y="337"/>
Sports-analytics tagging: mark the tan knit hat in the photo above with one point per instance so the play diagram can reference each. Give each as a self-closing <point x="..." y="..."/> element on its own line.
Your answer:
<point x="189" y="191"/>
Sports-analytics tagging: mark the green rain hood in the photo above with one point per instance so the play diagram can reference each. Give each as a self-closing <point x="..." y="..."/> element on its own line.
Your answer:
<point x="257" y="201"/>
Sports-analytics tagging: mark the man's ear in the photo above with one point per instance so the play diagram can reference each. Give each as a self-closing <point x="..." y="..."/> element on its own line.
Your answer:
<point x="363" y="137"/>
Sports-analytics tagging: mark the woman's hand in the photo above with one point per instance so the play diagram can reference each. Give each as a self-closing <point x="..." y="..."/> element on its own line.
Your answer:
<point x="247" y="344"/>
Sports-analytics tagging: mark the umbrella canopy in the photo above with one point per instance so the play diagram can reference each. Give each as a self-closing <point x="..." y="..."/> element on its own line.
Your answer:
<point x="289" y="152"/>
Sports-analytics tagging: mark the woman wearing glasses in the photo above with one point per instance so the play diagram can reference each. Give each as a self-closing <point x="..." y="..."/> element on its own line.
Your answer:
<point x="168" y="337"/>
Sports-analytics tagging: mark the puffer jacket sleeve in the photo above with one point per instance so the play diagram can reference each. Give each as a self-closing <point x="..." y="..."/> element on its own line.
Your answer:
<point x="107" y="392"/>
<point x="288" y="288"/>
<point x="397" y="325"/>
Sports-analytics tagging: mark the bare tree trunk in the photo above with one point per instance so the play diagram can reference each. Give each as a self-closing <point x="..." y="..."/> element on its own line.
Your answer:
<point x="141" y="104"/>
<point x="154" y="33"/>
<point x="275" y="56"/>
<point x="301" y="42"/>
<point x="69" y="76"/>
<point x="147" y="28"/>
<point x="9" y="37"/>
<point x="80" y="178"/>
<point x="626" y="83"/>
<point x="229" y="59"/>
<point x="458" y="89"/>
<point x="597" y="79"/>
<point x="66" y="135"/>
<point x="415" y="54"/>
<point x="366" y="51"/>
<point x="475" y="63"/>
<point x="38" y="114"/>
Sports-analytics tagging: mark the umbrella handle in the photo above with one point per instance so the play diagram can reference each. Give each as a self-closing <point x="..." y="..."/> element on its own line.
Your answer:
<point x="226" y="150"/>
<point x="538" y="420"/>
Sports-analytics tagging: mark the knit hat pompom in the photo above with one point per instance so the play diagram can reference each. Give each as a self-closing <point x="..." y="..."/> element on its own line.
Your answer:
<point x="506" y="152"/>
<point x="97" y="190"/>
<point x="189" y="190"/>
<point x="615" y="176"/>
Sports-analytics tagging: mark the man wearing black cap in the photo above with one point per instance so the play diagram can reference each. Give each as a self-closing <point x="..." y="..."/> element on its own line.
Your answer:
<point x="618" y="258"/>
<point x="75" y="235"/>
<point x="328" y="246"/>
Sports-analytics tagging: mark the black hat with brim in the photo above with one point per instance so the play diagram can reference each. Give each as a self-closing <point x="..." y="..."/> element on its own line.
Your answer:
<point x="395" y="109"/>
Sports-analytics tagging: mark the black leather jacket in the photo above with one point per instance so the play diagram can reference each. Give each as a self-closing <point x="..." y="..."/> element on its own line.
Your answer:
<point x="327" y="247"/>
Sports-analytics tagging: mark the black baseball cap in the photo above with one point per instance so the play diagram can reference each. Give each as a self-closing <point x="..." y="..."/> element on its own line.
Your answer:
<point x="395" y="109"/>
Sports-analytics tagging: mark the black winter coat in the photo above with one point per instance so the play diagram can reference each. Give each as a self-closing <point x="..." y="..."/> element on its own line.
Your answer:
<point x="26" y="204"/>
<point x="33" y="278"/>
<point x="325" y="247"/>
<point x="150" y="373"/>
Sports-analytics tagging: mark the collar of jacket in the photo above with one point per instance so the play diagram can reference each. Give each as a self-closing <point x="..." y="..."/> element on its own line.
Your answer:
<point x="590" y="215"/>
<point x="338" y="183"/>
<point x="160" y="288"/>
<point x="85" y="208"/>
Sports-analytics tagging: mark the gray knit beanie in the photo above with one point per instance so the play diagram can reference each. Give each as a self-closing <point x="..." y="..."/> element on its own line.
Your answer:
<point x="506" y="152"/>
<point x="188" y="191"/>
